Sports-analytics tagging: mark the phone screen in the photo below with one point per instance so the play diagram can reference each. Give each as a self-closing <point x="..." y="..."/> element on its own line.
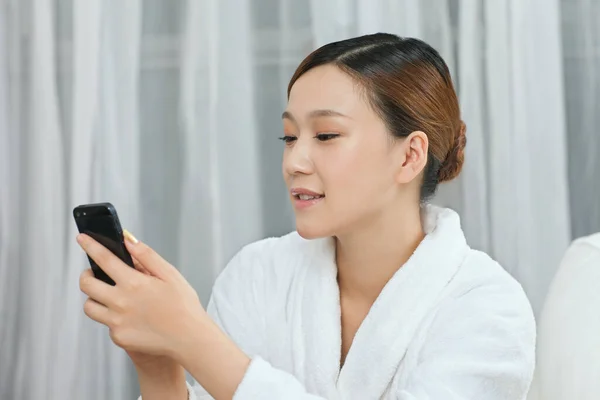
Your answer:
<point x="102" y="224"/>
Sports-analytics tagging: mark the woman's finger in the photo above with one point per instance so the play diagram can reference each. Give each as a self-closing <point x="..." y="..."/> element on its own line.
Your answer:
<point x="97" y="312"/>
<point x="110" y="263"/>
<point x="88" y="273"/>
<point x="139" y="266"/>
<point x="96" y="289"/>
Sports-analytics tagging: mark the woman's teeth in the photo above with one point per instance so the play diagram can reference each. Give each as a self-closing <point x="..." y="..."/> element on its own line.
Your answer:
<point x="308" y="197"/>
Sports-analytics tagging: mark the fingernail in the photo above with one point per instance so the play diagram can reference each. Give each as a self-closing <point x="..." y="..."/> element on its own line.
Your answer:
<point x="129" y="237"/>
<point x="79" y="238"/>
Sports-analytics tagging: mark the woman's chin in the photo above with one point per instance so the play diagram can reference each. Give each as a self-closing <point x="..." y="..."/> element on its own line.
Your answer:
<point x="312" y="230"/>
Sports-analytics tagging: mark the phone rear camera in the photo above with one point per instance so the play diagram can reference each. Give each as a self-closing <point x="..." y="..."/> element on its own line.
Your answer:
<point x="83" y="213"/>
<point x="77" y="214"/>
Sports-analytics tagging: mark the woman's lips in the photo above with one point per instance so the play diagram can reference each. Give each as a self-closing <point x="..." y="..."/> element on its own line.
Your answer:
<point x="304" y="198"/>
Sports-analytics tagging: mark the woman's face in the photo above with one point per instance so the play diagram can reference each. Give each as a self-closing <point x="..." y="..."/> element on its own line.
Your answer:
<point x="339" y="164"/>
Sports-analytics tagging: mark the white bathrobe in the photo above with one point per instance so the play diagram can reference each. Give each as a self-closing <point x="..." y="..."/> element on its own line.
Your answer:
<point x="569" y="334"/>
<point x="450" y="324"/>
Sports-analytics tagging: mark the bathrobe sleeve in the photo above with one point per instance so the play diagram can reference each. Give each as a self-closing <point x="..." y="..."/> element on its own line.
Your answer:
<point x="237" y="304"/>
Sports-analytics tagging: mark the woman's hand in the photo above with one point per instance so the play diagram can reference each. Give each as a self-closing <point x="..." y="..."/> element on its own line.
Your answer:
<point x="151" y="312"/>
<point x="156" y="316"/>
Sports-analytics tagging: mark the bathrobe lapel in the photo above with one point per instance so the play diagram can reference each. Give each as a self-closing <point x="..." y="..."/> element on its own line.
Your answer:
<point x="384" y="336"/>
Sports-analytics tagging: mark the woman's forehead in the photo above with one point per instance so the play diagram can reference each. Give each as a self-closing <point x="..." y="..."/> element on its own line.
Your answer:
<point x="325" y="88"/>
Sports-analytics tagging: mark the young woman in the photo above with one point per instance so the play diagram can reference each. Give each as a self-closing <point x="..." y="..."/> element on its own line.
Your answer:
<point x="376" y="295"/>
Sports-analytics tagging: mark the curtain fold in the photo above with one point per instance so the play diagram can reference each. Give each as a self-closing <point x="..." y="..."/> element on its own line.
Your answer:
<point x="43" y="197"/>
<point x="10" y="173"/>
<point x="74" y="337"/>
<point x="221" y="208"/>
<point x="581" y="63"/>
<point x="470" y="81"/>
<point x="197" y="103"/>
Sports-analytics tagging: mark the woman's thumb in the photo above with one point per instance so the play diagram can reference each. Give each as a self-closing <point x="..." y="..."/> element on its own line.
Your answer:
<point x="150" y="260"/>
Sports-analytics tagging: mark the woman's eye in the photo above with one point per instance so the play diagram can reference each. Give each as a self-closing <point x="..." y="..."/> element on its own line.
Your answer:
<point x="288" y="139"/>
<point x="323" y="137"/>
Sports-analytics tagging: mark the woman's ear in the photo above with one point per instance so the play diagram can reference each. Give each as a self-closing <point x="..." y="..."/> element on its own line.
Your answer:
<point x="413" y="151"/>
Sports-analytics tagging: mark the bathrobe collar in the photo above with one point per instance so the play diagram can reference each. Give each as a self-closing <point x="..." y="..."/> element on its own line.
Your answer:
<point x="382" y="339"/>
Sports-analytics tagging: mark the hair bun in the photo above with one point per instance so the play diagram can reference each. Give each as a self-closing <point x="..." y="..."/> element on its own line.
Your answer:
<point x="453" y="163"/>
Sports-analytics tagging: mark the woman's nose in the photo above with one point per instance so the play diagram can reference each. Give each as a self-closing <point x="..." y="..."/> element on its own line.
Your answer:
<point x="297" y="160"/>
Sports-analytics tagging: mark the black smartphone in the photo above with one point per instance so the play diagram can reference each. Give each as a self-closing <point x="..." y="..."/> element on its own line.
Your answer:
<point x="100" y="221"/>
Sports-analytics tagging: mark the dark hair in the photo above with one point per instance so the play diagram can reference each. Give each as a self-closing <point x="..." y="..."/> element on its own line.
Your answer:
<point x="409" y="85"/>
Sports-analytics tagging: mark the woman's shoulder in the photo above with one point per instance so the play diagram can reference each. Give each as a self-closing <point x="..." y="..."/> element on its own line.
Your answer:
<point x="483" y="282"/>
<point x="480" y="269"/>
<point x="478" y="277"/>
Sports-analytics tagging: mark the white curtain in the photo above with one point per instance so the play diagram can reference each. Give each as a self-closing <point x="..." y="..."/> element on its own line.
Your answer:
<point x="146" y="105"/>
<point x="170" y="110"/>
<point x="581" y="44"/>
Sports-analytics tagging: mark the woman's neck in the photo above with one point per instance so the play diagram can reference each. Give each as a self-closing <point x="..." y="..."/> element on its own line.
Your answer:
<point x="367" y="259"/>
